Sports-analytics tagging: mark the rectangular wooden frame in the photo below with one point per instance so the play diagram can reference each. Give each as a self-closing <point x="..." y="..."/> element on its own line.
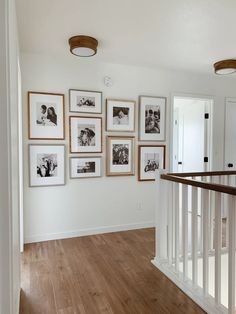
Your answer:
<point x="139" y="159"/>
<point x="87" y="91"/>
<point x="70" y="134"/>
<point x="83" y="157"/>
<point x="109" y="173"/>
<point x="46" y="93"/>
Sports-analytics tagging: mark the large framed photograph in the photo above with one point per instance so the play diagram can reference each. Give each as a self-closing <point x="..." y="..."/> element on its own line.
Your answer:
<point x="85" y="134"/>
<point x="46" y="165"/>
<point x="85" y="101"/>
<point x="85" y="167"/>
<point x="46" y="117"/>
<point x="120" y="156"/>
<point x="120" y="115"/>
<point x="150" y="158"/>
<point x="152" y="119"/>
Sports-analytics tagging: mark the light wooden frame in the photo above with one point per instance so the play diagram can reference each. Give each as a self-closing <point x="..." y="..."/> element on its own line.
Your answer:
<point x="120" y="100"/>
<point x="132" y="172"/>
<point x="29" y="126"/>
<point x="139" y="159"/>
<point x="81" y="117"/>
<point x="85" y="157"/>
<point x="87" y="91"/>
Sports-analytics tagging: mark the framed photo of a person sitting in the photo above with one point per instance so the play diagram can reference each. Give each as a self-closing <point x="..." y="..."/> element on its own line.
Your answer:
<point x="46" y="116"/>
<point x="120" y="156"/>
<point x="120" y="115"/>
<point x="85" y="134"/>
<point x="152" y="119"/>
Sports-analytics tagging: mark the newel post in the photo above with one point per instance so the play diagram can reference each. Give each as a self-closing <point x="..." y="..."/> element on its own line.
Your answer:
<point x="161" y="210"/>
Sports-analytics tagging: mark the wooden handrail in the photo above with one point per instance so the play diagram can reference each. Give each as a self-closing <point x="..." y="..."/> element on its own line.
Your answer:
<point x="181" y="178"/>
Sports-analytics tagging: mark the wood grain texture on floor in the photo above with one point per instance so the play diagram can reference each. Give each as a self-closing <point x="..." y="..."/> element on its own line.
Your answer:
<point x="108" y="273"/>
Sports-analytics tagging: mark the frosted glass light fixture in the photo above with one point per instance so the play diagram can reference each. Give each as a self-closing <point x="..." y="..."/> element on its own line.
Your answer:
<point x="83" y="46"/>
<point x="225" y="67"/>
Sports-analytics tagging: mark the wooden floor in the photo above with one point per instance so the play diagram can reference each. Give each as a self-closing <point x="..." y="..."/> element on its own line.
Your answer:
<point x="110" y="273"/>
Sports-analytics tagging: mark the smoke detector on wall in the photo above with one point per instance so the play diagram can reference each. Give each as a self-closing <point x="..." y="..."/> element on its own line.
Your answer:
<point x="108" y="81"/>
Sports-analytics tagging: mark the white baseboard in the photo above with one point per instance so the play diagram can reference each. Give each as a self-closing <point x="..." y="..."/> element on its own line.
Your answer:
<point x="86" y="232"/>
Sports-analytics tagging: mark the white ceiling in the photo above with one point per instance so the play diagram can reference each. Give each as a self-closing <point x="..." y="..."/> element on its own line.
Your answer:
<point x="178" y="34"/>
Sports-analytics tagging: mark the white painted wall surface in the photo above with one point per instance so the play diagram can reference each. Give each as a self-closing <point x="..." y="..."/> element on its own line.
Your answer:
<point x="9" y="165"/>
<point x="96" y="205"/>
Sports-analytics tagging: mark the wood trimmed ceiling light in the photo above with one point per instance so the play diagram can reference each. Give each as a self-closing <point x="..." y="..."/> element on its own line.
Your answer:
<point x="225" y="67"/>
<point x="83" y="46"/>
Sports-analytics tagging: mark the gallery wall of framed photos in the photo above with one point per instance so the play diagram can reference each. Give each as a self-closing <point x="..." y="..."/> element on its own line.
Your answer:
<point x="89" y="118"/>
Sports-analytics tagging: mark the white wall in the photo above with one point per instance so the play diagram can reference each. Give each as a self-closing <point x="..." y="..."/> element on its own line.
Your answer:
<point x="93" y="205"/>
<point x="9" y="166"/>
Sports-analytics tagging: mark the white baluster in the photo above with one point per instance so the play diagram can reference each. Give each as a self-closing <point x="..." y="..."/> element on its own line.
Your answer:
<point x="170" y="222"/>
<point x="205" y="218"/>
<point x="194" y="234"/>
<point x="218" y="246"/>
<point x="185" y="230"/>
<point x="176" y="208"/>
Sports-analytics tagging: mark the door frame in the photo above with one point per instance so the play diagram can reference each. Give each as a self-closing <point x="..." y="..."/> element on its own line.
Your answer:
<point x="227" y="99"/>
<point x="210" y="129"/>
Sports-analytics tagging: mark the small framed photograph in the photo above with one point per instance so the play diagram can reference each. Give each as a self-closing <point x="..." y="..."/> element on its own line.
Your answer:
<point x="120" y="156"/>
<point x="46" y="165"/>
<point x="85" y="135"/>
<point x="85" y="167"/>
<point x="83" y="101"/>
<point x="152" y="119"/>
<point x="120" y="115"/>
<point x="150" y="158"/>
<point x="46" y="116"/>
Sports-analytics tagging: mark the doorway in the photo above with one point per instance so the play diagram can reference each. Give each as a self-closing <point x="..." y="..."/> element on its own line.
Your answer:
<point x="230" y="134"/>
<point x="192" y="134"/>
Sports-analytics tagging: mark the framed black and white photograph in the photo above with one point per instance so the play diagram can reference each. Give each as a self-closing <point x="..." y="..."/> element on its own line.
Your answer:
<point x="46" y="116"/>
<point x="85" y="167"/>
<point x="85" y="134"/>
<point x="120" y="115"/>
<point x="120" y="156"/>
<point x="152" y="118"/>
<point x="46" y="165"/>
<point x="150" y="158"/>
<point x="85" y="101"/>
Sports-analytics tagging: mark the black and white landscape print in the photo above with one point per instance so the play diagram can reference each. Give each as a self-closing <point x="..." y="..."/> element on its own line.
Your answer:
<point x="121" y="115"/>
<point x="46" y="114"/>
<point x="46" y="165"/>
<point x="85" y="102"/>
<point x="86" y="135"/>
<point x="86" y="166"/>
<point x="120" y="154"/>
<point x="152" y="119"/>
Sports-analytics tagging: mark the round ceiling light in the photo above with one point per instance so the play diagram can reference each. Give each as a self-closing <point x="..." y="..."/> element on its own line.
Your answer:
<point x="225" y="67"/>
<point x="83" y="46"/>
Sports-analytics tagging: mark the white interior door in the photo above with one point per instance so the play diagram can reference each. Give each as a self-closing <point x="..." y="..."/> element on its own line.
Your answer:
<point x="230" y="134"/>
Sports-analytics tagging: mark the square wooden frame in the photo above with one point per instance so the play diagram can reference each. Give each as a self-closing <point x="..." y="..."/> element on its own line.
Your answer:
<point x="139" y="159"/>
<point x="79" y="117"/>
<point x="109" y="173"/>
<point x="120" y="100"/>
<point x="63" y="103"/>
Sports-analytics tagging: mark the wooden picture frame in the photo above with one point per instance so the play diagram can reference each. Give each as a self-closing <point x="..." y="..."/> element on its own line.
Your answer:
<point x="46" y="116"/>
<point x="120" y="156"/>
<point x="95" y="172"/>
<point x="85" y="101"/>
<point x="89" y="125"/>
<point x="152" y="118"/>
<point x="49" y="167"/>
<point x="149" y="167"/>
<point x="120" y="115"/>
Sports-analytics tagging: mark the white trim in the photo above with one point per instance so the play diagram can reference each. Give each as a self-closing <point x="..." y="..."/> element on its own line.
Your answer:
<point x="88" y="231"/>
<point x="227" y="100"/>
<point x="171" y="128"/>
<point x="206" y="303"/>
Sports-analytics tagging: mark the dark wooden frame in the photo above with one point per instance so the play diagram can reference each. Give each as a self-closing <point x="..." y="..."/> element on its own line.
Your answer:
<point x="139" y="122"/>
<point x="63" y="104"/>
<point x="81" y="117"/>
<point x="88" y="157"/>
<point x="139" y="159"/>
<point x="87" y="91"/>
<point x="120" y="100"/>
<point x="109" y="173"/>
<point x="29" y="162"/>
<point x="181" y="178"/>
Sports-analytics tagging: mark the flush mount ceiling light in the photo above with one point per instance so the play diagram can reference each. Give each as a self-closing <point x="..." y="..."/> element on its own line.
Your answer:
<point x="225" y="66"/>
<point x="83" y="46"/>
